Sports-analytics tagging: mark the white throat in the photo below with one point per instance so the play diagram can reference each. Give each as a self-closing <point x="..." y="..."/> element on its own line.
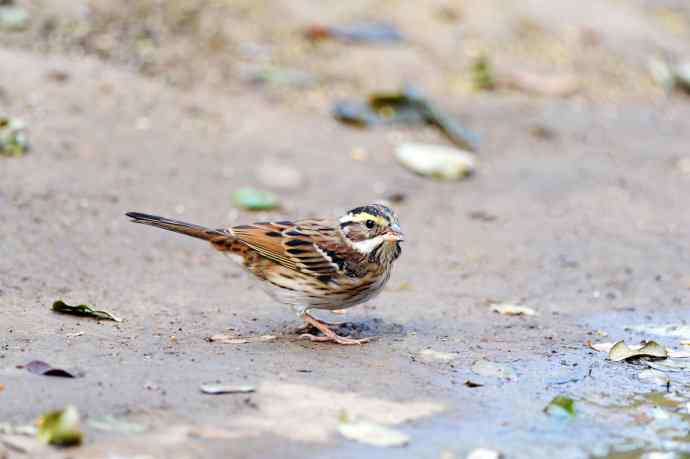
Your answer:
<point x="368" y="245"/>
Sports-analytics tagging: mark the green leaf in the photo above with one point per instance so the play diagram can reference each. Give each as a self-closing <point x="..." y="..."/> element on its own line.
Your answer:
<point x="561" y="405"/>
<point x="83" y="310"/>
<point x="481" y="74"/>
<point x="253" y="199"/>
<point x="60" y="427"/>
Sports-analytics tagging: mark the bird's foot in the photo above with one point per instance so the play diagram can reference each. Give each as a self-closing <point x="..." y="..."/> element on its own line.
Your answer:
<point x="328" y="334"/>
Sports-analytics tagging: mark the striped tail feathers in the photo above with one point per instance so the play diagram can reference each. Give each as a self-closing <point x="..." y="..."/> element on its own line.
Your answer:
<point x="177" y="226"/>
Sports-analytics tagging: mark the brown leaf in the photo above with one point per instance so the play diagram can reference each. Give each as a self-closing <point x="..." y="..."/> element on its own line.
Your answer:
<point x="39" y="367"/>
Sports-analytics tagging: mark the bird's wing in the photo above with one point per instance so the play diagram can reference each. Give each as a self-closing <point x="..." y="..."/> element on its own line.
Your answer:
<point x="306" y="246"/>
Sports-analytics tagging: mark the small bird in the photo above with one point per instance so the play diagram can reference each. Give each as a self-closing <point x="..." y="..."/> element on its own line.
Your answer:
<point x="311" y="263"/>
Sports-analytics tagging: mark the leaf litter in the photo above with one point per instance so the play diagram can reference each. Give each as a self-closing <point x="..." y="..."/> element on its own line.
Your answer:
<point x="407" y="106"/>
<point x="436" y="161"/>
<point x="620" y="351"/>
<point x="219" y="389"/>
<point x="39" y="367"/>
<point x="508" y="309"/>
<point x="60" y="427"/>
<point x="254" y="199"/>
<point x="561" y="406"/>
<point x="83" y="310"/>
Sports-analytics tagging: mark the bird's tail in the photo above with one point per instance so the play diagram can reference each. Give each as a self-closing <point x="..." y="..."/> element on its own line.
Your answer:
<point x="177" y="226"/>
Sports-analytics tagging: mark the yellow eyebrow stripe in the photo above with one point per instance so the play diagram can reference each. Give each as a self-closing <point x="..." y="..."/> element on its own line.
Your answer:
<point x="363" y="216"/>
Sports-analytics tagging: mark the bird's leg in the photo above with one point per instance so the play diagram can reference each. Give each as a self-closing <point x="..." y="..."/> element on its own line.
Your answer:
<point x="305" y="327"/>
<point x="328" y="334"/>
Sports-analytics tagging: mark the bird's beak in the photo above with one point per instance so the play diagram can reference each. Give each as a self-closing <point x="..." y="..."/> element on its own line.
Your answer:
<point x="394" y="234"/>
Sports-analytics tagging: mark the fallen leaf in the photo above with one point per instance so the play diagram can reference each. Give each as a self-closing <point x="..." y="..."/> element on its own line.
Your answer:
<point x="560" y="405"/>
<point x="602" y="333"/>
<point x="508" y="309"/>
<point x="407" y="106"/>
<point x="253" y="199"/>
<point x="13" y="138"/>
<point x="113" y="424"/>
<point x="482" y="216"/>
<point x="369" y="32"/>
<point x="430" y="355"/>
<point x="230" y="339"/>
<point x="600" y="347"/>
<point x="373" y="434"/>
<point x="481" y="74"/>
<point x="217" y="389"/>
<point x="60" y="427"/>
<point x="654" y="377"/>
<point x="483" y="453"/>
<point x="38" y="367"/>
<point x="619" y="351"/>
<point x="83" y="310"/>
<point x="436" y="161"/>
<point x="472" y="384"/>
<point x="485" y="367"/>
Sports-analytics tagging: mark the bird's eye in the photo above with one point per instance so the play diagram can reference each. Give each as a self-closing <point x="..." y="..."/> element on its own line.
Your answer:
<point x="370" y="224"/>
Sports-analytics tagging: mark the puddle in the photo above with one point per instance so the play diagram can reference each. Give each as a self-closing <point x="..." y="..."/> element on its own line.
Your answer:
<point x="659" y="422"/>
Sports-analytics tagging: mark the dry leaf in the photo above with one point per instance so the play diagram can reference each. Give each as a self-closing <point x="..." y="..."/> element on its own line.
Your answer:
<point x="83" y="310"/>
<point x="606" y="347"/>
<point x="217" y="389"/>
<point x="437" y="161"/>
<point x="372" y="434"/>
<point x="38" y="367"/>
<point x="620" y="351"/>
<point x="508" y="309"/>
<point x="231" y="339"/>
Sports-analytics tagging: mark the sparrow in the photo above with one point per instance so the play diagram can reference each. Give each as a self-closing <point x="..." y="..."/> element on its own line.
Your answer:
<point x="312" y="263"/>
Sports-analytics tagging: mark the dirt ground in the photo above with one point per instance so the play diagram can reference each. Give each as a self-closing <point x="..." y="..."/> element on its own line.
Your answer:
<point x="136" y="110"/>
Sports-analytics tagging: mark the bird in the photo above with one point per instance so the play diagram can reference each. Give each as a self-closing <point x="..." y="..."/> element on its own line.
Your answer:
<point x="312" y="263"/>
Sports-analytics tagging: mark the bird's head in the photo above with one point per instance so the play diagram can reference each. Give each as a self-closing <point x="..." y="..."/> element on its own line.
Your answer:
<point x="373" y="230"/>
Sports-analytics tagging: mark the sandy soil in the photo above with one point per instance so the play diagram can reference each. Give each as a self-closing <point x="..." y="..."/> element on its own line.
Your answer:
<point x="589" y="227"/>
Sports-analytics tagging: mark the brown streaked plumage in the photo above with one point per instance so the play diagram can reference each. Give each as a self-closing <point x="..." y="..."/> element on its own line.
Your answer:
<point x="311" y="263"/>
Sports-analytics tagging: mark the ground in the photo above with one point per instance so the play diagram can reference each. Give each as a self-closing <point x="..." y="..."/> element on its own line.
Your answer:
<point x="578" y="209"/>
